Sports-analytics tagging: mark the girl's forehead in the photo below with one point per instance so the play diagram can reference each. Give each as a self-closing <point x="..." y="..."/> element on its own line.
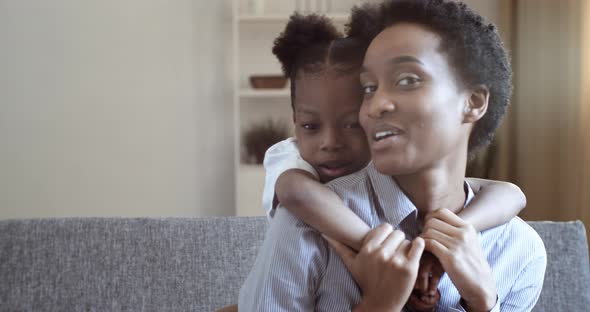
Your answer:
<point x="333" y="112"/>
<point x="328" y="72"/>
<point x="327" y="82"/>
<point x="329" y="93"/>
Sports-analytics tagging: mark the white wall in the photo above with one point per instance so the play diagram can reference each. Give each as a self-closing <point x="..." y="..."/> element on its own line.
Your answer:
<point x="118" y="107"/>
<point x="115" y="108"/>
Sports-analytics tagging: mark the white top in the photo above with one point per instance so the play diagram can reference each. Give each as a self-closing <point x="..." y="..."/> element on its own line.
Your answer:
<point x="279" y="158"/>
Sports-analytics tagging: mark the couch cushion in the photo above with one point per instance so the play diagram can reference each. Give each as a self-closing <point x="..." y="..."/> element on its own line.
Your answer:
<point x="96" y="264"/>
<point x="567" y="279"/>
<point x="125" y="264"/>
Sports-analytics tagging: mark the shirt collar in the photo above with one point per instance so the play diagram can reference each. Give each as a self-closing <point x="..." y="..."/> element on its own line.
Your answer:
<point x="395" y="204"/>
<point x="393" y="201"/>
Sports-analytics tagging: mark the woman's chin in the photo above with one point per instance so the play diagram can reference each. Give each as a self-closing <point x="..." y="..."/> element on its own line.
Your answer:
<point x="390" y="166"/>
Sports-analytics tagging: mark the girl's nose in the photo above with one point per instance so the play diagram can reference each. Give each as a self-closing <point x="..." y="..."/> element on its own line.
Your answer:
<point x="331" y="141"/>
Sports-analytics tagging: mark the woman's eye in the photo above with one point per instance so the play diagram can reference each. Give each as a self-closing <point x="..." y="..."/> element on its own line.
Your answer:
<point x="369" y="89"/>
<point x="408" y="81"/>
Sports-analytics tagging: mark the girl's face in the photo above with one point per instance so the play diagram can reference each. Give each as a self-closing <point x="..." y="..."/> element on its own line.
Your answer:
<point x="413" y="108"/>
<point x="327" y="127"/>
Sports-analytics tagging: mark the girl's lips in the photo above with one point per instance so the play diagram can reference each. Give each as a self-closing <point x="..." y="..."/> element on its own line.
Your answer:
<point x="333" y="171"/>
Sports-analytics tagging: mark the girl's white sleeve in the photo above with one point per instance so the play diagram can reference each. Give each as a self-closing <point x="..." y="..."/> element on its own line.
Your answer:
<point x="279" y="158"/>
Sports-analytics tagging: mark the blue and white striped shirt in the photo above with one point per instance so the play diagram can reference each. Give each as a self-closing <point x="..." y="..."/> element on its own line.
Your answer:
<point x="296" y="270"/>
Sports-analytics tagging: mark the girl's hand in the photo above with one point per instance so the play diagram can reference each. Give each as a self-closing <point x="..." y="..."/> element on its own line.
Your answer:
<point x="385" y="268"/>
<point x="426" y="296"/>
<point x="456" y="245"/>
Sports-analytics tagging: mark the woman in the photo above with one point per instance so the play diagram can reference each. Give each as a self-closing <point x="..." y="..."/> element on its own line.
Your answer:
<point x="436" y="82"/>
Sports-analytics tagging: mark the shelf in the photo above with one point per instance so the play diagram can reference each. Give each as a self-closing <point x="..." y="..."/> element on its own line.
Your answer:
<point x="265" y="93"/>
<point x="249" y="190"/>
<point x="252" y="167"/>
<point x="341" y="18"/>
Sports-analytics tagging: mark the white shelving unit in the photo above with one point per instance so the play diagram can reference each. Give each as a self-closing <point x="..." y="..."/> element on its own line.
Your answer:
<point x="257" y="94"/>
<point x="256" y="19"/>
<point x="256" y="23"/>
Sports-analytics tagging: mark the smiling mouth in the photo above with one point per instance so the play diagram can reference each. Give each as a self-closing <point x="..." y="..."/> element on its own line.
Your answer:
<point x="380" y="135"/>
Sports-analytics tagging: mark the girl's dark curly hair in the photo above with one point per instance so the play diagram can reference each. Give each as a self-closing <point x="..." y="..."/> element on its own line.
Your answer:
<point x="312" y="44"/>
<point x="473" y="46"/>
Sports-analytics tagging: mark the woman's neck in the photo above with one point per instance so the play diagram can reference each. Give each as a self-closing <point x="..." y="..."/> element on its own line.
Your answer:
<point x="437" y="187"/>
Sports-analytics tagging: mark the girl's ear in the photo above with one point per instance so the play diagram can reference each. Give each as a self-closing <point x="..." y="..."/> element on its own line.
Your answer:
<point x="477" y="104"/>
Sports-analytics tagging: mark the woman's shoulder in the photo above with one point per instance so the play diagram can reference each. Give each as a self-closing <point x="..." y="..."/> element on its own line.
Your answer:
<point x="516" y="236"/>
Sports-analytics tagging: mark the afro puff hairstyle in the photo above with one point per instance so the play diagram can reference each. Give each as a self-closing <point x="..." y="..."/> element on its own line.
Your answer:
<point x="312" y="44"/>
<point x="473" y="47"/>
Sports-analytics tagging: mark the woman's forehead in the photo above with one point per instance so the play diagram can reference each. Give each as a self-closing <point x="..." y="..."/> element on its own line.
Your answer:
<point x="403" y="39"/>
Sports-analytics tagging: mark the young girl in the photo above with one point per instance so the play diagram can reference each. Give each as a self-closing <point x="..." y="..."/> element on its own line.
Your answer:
<point x="329" y="143"/>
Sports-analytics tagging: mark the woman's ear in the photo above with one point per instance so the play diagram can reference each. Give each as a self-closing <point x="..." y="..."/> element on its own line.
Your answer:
<point x="477" y="104"/>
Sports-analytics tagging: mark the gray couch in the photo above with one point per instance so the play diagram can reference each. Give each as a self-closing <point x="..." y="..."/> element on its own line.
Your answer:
<point x="93" y="264"/>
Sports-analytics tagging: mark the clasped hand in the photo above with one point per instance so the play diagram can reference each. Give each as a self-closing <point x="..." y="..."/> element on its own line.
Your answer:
<point x="386" y="267"/>
<point x="456" y="245"/>
<point x="387" y="262"/>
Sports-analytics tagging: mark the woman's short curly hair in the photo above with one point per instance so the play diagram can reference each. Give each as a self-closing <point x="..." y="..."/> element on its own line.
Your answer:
<point x="473" y="47"/>
<point x="312" y="44"/>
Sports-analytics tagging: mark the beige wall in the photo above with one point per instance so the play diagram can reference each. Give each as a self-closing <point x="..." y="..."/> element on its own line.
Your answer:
<point x="547" y="106"/>
<point x="119" y="108"/>
<point x="115" y="108"/>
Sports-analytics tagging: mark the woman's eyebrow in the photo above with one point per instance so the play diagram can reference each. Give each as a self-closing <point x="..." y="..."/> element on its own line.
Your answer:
<point x="404" y="59"/>
<point x="396" y="61"/>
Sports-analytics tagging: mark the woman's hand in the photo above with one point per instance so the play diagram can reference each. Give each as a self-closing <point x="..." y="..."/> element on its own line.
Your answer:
<point x="385" y="268"/>
<point x="456" y="245"/>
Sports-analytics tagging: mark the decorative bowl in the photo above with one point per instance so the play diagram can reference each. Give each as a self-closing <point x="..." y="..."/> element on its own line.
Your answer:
<point x="268" y="81"/>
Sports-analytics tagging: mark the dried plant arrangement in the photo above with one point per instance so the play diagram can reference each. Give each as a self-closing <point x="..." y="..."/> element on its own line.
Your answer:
<point x="260" y="136"/>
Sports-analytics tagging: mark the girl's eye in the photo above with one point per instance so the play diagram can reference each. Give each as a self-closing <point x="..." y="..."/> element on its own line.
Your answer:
<point x="408" y="81"/>
<point x="352" y="125"/>
<point x="309" y="126"/>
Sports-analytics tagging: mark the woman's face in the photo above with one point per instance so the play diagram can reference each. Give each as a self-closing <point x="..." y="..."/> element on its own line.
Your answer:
<point x="413" y="108"/>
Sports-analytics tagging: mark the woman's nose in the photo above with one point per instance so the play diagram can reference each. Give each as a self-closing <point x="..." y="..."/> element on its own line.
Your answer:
<point x="379" y="104"/>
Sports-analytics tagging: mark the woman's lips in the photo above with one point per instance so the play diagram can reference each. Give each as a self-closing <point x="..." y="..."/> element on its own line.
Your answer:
<point x="385" y="143"/>
<point x="383" y="136"/>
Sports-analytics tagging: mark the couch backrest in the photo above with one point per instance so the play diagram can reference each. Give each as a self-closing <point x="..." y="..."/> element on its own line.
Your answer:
<point x="567" y="278"/>
<point x="94" y="264"/>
